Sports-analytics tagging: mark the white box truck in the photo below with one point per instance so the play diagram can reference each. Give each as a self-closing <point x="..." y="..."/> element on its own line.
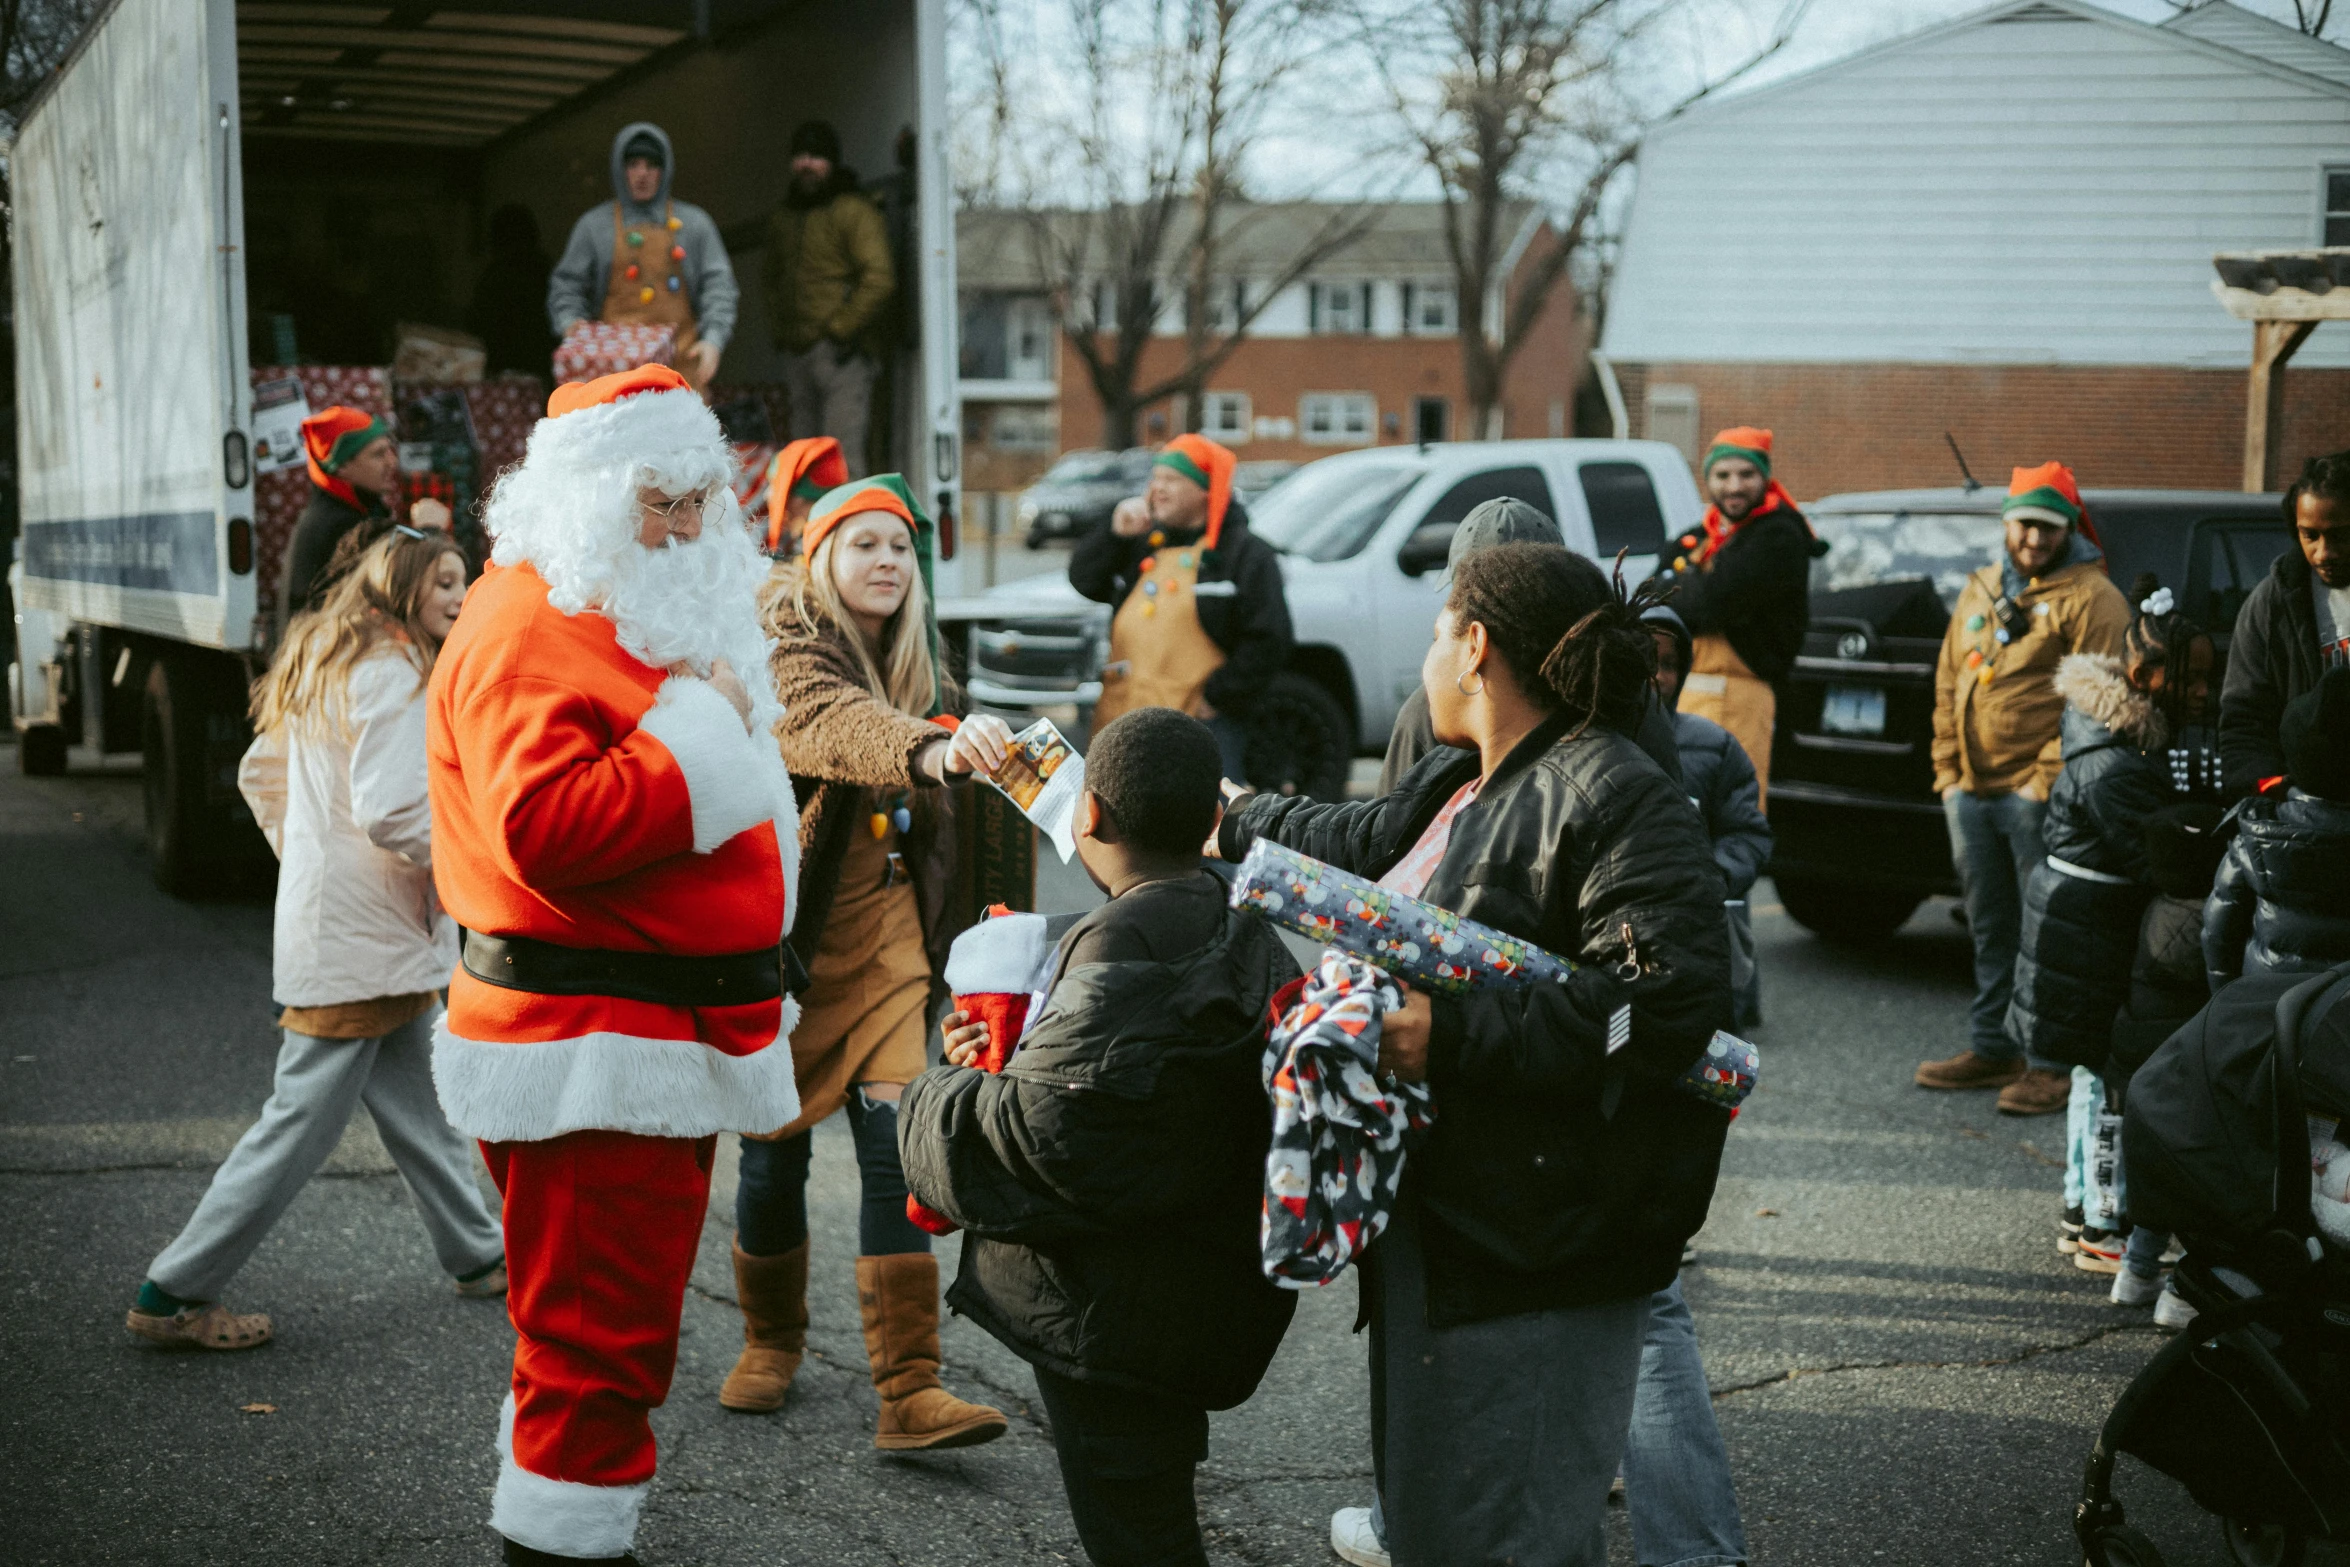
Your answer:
<point x="208" y="185"/>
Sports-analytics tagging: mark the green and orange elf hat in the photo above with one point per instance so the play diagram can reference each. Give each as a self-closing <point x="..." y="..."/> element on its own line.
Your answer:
<point x="1746" y="442"/>
<point x="890" y="493"/>
<point x="2049" y="493"/>
<point x="333" y="436"/>
<point x="1207" y="465"/>
<point x="804" y="469"/>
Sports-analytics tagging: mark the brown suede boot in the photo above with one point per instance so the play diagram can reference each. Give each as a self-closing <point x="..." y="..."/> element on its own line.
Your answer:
<point x="2038" y="1091"/>
<point x="898" y="1297"/>
<point x="1969" y="1070"/>
<point x="774" y="1296"/>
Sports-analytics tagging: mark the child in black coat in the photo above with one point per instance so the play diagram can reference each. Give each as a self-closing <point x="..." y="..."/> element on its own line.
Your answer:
<point x="1110" y="1179"/>
<point x="2282" y="900"/>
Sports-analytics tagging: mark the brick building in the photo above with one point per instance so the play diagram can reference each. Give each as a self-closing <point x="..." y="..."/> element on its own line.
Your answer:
<point x="2002" y="229"/>
<point x="1363" y="352"/>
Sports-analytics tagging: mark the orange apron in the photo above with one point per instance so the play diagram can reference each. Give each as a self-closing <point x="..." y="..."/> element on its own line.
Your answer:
<point x="1160" y="655"/>
<point x="1722" y="688"/>
<point x="647" y="286"/>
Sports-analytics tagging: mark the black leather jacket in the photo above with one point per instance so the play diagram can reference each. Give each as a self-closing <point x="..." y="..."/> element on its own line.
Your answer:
<point x="1557" y="1173"/>
<point x="2282" y="900"/>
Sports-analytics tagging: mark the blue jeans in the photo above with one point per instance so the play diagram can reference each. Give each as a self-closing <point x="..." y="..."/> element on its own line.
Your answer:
<point x="2143" y="1256"/>
<point x="771" y="1197"/>
<point x="1231" y="746"/>
<point x="1995" y="842"/>
<point x="1676" y="1475"/>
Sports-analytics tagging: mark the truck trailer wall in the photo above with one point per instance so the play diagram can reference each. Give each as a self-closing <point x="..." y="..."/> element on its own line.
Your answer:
<point x="130" y="328"/>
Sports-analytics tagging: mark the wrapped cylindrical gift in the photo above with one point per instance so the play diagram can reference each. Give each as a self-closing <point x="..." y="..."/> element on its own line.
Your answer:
<point x="1435" y="949"/>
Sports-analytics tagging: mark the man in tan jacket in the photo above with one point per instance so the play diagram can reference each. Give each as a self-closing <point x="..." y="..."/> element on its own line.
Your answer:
<point x="1997" y="751"/>
<point x="828" y="279"/>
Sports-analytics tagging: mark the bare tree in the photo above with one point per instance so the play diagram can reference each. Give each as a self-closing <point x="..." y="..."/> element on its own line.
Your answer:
<point x="1522" y="90"/>
<point x="1145" y="111"/>
<point x="2311" y="16"/>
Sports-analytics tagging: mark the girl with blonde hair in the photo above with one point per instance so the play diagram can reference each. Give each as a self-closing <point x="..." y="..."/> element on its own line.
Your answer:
<point x="869" y="747"/>
<point x="336" y="779"/>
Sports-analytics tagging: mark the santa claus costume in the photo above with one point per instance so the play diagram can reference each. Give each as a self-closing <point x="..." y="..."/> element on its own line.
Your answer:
<point x="616" y="840"/>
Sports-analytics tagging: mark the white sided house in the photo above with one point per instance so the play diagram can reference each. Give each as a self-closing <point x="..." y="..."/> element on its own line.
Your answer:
<point x="2001" y="228"/>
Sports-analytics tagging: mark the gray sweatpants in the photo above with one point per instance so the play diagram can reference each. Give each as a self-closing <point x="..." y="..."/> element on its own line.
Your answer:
<point x="831" y="391"/>
<point x="319" y="1083"/>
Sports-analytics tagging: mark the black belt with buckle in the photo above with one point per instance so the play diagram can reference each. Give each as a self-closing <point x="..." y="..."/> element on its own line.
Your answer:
<point x="729" y="979"/>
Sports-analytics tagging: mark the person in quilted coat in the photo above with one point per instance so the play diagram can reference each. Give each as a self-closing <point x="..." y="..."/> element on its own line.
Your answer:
<point x="2282" y="900"/>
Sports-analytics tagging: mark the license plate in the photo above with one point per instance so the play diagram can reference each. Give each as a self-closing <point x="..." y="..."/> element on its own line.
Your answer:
<point x="1853" y="710"/>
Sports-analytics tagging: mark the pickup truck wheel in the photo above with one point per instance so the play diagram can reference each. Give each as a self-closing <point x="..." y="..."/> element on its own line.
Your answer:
<point x="40" y="751"/>
<point x="1300" y="739"/>
<point x="1849" y="915"/>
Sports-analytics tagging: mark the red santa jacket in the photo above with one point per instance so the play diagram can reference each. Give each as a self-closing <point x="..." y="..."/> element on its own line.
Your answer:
<point x="584" y="798"/>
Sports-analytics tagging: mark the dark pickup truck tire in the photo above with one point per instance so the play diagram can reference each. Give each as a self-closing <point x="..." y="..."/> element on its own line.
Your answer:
<point x="40" y="751"/>
<point x="1849" y="915"/>
<point x="1300" y="739"/>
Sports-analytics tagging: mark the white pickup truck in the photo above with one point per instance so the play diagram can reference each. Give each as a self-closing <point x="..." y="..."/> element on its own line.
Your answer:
<point x="1362" y="537"/>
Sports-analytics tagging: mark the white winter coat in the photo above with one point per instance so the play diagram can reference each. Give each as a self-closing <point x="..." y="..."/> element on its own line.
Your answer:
<point x="348" y="815"/>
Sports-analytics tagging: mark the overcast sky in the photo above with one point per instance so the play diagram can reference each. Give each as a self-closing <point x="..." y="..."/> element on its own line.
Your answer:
<point x="1706" y="37"/>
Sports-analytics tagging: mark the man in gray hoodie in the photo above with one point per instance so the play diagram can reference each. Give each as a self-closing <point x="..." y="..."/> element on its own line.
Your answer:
<point x="645" y="258"/>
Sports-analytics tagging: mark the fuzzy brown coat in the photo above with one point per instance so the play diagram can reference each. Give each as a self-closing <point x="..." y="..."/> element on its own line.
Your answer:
<point x="847" y="750"/>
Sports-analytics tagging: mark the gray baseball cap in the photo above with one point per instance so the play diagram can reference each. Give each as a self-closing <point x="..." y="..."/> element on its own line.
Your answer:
<point x="1503" y="520"/>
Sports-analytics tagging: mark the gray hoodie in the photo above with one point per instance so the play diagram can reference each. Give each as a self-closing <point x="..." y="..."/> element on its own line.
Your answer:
<point x="575" y="289"/>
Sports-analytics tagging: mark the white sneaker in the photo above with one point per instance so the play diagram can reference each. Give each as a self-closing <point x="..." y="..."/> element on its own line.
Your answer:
<point x="2131" y="1290"/>
<point x="1355" y="1540"/>
<point x="2172" y="1312"/>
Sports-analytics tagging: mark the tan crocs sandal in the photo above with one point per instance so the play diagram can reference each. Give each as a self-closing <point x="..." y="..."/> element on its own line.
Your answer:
<point x="212" y="1326"/>
<point x="487" y="1287"/>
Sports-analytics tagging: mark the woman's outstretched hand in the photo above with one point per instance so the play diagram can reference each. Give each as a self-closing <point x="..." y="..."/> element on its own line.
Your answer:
<point x="978" y="746"/>
<point x="1403" y="1038"/>
<point x="964" y="1038"/>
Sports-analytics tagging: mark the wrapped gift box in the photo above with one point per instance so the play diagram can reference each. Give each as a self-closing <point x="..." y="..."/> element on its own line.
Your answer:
<point x="594" y="348"/>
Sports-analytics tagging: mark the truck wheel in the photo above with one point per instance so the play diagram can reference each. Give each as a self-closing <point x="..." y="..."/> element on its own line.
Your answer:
<point x="199" y="842"/>
<point x="40" y="751"/>
<point x="1300" y="740"/>
<point x="1853" y="916"/>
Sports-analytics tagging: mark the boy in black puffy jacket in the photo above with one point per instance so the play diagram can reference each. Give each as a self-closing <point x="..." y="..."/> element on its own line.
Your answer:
<point x="2282" y="900"/>
<point x="1110" y="1180"/>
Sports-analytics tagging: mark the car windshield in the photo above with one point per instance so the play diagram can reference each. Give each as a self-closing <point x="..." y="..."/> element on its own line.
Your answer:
<point x="1084" y="468"/>
<point x="1328" y="511"/>
<point x="1866" y="548"/>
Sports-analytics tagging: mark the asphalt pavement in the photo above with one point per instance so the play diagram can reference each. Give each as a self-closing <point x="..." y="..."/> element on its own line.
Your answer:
<point x="1905" y="1369"/>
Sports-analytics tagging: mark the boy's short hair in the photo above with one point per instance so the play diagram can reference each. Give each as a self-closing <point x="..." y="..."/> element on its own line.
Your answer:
<point x="2314" y="734"/>
<point x="1157" y="773"/>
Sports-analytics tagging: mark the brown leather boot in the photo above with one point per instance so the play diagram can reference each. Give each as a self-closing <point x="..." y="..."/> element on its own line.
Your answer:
<point x="1969" y="1070"/>
<point x="774" y="1296"/>
<point x="2038" y="1091"/>
<point x="898" y="1297"/>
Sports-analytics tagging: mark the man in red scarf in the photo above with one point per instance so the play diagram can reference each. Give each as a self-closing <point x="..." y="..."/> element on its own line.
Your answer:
<point x="1743" y="587"/>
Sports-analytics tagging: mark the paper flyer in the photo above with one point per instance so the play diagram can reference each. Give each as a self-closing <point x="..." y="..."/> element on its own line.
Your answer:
<point x="278" y="411"/>
<point x="1043" y="776"/>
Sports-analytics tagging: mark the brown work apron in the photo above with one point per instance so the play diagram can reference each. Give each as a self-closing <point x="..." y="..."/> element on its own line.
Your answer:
<point x="1160" y="655"/>
<point x="647" y="286"/>
<point x="1722" y="688"/>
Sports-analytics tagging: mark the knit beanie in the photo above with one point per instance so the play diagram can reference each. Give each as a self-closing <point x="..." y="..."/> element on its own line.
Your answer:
<point x="2315" y="736"/>
<point x="817" y="137"/>
<point x="646" y="147"/>
<point x="1746" y="442"/>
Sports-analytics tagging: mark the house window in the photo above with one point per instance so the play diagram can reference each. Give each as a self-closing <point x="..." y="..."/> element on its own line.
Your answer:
<point x="1672" y="417"/>
<point x="1028" y="341"/>
<point x="1339" y="308"/>
<point x="1337" y="418"/>
<point x="1428" y="308"/>
<point x="1224" y="416"/>
<point x="2336" y="227"/>
<point x="1226" y="303"/>
<point x="1026" y="427"/>
<point x="1431" y="420"/>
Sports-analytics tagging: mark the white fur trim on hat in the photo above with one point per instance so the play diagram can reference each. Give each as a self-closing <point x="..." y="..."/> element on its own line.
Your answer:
<point x="1000" y="956"/>
<point x="560" y="1517"/>
<point x="729" y="776"/>
<point x="644" y="428"/>
<point x="502" y="1092"/>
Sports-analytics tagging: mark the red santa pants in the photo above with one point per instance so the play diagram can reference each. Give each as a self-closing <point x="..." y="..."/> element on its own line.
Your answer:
<point x="601" y="1229"/>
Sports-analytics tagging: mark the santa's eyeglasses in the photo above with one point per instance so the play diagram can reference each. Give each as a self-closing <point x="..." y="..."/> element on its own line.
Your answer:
<point x="669" y="510"/>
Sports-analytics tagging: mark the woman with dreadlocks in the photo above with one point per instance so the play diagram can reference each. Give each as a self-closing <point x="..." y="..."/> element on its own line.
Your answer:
<point x="1552" y="1196"/>
<point x="2086" y="902"/>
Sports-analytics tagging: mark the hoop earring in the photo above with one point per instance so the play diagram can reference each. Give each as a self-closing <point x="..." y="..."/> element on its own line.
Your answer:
<point x="1458" y="684"/>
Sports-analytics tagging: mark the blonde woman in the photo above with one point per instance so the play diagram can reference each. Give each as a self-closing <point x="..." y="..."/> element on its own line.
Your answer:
<point x="336" y="778"/>
<point x="855" y="665"/>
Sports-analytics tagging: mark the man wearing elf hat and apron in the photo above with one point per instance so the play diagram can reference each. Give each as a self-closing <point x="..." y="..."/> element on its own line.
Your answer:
<point x="1744" y="592"/>
<point x="1199" y="620"/>
<point x="615" y="832"/>
<point x="1997" y="750"/>
<point x="647" y="259"/>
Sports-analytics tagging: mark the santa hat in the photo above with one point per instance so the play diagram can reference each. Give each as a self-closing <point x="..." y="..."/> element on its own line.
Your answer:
<point x="803" y="470"/>
<point x="1207" y="465"/>
<point x="333" y="436"/>
<point x="1743" y="442"/>
<point x="649" y="416"/>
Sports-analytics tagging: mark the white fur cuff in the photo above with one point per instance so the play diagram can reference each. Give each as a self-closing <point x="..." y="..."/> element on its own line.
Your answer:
<point x="729" y="777"/>
<point x="560" y="1517"/>
<point x="523" y="1093"/>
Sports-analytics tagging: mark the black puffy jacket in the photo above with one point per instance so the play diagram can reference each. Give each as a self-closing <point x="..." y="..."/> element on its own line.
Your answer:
<point x="1721" y="784"/>
<point x="1111" y="1179"/>
<point x="1756" y="590"/>
<point x="2281" y="904"/>
<point x="1249" y="620"/>
<point x="2272" y="658"/>
<point x="1556" y="1174"/>
<point x="2084" y="901"/>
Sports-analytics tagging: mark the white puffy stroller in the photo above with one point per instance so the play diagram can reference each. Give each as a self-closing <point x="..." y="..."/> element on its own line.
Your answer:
<point x="2249" y="1407"/>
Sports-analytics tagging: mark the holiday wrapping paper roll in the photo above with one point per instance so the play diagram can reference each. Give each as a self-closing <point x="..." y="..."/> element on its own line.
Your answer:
<point x="1435" y="949"/>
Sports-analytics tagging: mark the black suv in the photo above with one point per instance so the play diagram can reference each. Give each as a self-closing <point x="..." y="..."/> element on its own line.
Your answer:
<point x="1860" y="833"/>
